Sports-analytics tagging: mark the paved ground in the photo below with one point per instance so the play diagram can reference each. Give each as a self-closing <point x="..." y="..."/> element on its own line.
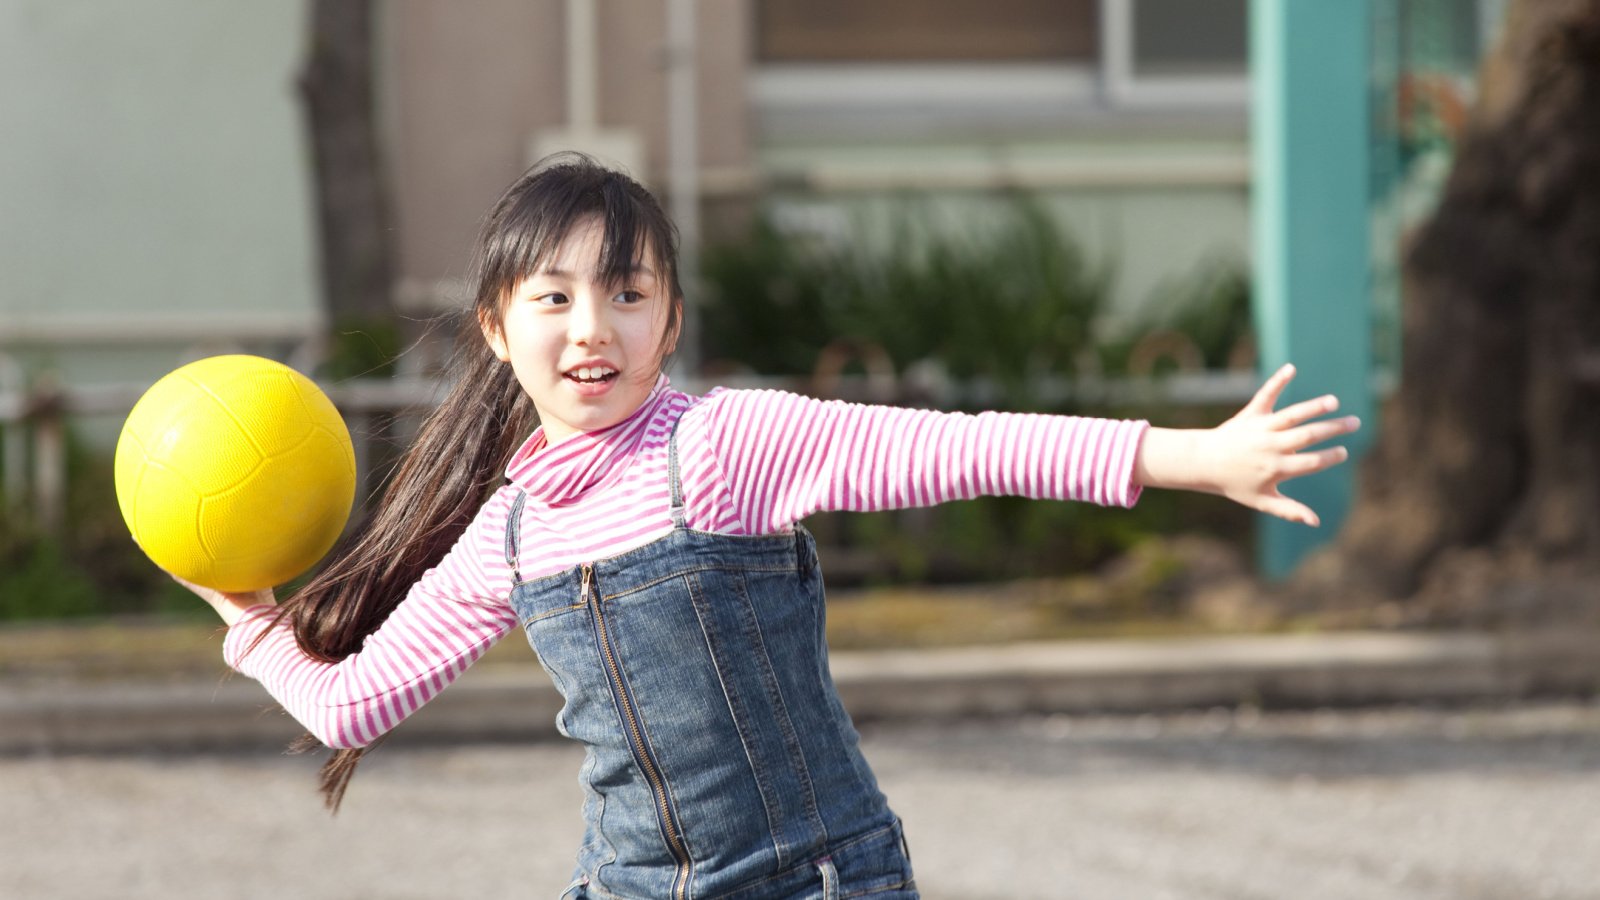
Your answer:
<point x="1399" y="803"/>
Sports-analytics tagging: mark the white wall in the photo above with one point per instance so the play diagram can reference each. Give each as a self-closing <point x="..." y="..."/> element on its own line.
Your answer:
<point x="153" y="171"/>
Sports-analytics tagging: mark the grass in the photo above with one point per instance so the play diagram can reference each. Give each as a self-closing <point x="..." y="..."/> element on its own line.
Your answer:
<point x="1079" y="608"/>
<point x="145" y="649"/>
<point x="1037" y="610"/>
<point x="111" y="649"/>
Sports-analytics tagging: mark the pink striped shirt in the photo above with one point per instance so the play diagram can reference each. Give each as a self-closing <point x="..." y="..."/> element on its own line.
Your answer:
<point x="751" y="462"/>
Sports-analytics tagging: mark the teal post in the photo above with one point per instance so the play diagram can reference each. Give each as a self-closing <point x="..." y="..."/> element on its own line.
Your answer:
<point x="1310" y="134"/>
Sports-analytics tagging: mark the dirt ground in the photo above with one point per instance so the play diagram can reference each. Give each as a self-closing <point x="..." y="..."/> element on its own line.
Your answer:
<point x="1228" y="804"/>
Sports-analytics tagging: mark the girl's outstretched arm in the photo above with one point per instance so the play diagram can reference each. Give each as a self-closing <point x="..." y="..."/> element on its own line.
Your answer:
<point x="1248" y="456"/>
<point x="784" y="457"/>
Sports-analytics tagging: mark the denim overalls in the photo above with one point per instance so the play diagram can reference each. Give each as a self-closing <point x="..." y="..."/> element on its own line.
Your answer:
<point x="719" y="761"/>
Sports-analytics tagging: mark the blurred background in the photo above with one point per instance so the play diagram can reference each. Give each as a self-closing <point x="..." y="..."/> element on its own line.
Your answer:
<point x="1015" y="204"/>
<point x="1095" y="207"/>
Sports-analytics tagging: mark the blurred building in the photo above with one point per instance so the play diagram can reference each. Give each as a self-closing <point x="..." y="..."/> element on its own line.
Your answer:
<point x="156" y="202"/>
<point x="1128" y="116"/>
<point x="154" y="187"/>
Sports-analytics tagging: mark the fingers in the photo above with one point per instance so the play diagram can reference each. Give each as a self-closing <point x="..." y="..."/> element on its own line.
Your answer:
<point x="1302" y="464"/>
<point x="1290" y="510"/>
<point x="1299" y="465"/>
<point x="1317" y="432"/>
<point x="1304" y="411"/>
<point x="1267" y="396"/>
<point x="201" y="592"/>
<point x="211" y="595"/>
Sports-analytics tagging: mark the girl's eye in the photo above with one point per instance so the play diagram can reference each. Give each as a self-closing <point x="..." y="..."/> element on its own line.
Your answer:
<point x="551" y="299"/>
<point x="629" y="297"/>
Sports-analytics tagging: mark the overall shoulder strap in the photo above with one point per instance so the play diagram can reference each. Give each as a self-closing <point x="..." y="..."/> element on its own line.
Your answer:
<point x="674" y="484"/>
<point x="514" y="535"/>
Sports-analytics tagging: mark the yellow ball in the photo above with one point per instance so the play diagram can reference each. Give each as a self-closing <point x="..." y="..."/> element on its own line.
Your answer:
<point x="235" y="473"/>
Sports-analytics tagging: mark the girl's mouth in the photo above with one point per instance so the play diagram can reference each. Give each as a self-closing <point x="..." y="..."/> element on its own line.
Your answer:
<point x="591" y="375"/>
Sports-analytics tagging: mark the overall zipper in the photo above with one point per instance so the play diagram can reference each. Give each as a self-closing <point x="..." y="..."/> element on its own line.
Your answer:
<point x="590" y="594"/>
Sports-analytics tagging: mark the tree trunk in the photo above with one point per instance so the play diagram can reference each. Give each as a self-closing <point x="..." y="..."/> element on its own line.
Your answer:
<point x="1480" y="502"/>
<point x="337" y="86"/>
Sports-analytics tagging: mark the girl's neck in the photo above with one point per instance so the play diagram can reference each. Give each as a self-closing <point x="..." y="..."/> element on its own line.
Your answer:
<point x="545" y="440"/>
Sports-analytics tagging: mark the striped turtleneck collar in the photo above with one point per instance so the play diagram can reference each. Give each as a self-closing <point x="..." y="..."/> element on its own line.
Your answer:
<point x="553" y="475"/>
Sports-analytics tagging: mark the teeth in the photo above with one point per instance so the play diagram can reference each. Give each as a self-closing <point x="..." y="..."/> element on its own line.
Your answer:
<point x="587" y="373"/>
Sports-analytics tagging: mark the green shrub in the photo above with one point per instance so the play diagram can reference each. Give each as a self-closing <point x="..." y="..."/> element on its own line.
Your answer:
<point x="1009" y="304"/>
<point x="93" y="567"/>
<point x="37" y="581"/>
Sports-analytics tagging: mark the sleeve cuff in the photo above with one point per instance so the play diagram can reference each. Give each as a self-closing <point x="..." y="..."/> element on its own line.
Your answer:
<point x="1128" y="491"/>
<point x="243" y="633"/>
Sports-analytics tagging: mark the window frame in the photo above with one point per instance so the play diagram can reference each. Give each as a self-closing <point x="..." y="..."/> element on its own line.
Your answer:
<point x="886" y="98"/>
<point x="1124" y="89"/>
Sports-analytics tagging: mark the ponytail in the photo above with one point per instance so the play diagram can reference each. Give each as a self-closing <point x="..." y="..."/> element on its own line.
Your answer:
<point x="460" y="455"/>
<point x="457" y="460"/>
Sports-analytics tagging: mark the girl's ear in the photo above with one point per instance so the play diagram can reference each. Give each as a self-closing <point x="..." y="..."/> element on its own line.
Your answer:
<point x="677" y="328"/>
<point x="493" y="334"/>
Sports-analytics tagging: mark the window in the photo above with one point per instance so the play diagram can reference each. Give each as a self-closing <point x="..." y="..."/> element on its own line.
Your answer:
<point x="1176" y="51"/>
<point x="915" y="69"/>
<point x="1189" y="37"/>
<point x="919" y="68"/>
<point x="926" y="31"/>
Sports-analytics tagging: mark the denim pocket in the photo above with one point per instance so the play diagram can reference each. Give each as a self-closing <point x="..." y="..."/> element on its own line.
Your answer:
<point x="875" y="866"/>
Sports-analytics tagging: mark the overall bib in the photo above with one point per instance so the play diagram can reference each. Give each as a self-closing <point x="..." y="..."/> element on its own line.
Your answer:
<point x="719" y="761"/>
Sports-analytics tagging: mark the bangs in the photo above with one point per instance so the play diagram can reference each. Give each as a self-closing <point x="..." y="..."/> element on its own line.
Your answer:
<point x="525" y="233"/>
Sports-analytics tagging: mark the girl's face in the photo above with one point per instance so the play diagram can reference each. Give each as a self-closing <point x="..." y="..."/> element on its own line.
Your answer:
<point x="587" y="353"/>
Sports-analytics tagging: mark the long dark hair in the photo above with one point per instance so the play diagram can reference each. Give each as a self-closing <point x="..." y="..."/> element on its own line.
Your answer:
<point x="459" y="456"/>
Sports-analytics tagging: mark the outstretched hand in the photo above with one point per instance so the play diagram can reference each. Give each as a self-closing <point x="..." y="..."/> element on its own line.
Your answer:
<point x="1247" y="457"/>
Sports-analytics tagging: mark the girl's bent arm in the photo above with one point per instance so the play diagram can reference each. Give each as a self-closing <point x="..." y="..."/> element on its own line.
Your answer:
<point x="447" y="622"/>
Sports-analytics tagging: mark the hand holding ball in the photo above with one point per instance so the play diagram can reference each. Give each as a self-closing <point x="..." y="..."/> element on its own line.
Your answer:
<point x="235" y="473"/>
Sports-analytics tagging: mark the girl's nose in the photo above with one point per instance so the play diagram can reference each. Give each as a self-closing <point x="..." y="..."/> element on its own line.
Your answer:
<point x="588" y="323"/>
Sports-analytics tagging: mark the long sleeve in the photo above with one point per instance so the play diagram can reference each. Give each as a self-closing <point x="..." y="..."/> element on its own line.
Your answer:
<point x="451" y="617"/>
<point x="785" y="456"/>
<point x="754" y="462"/>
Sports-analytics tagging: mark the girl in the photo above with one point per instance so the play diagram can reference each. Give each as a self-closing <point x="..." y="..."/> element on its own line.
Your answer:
<point x="647" y="542"/>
